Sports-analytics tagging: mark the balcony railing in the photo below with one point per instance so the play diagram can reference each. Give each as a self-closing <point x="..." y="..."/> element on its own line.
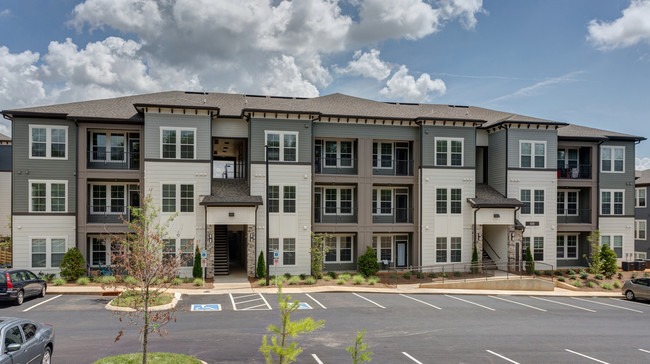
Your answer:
<point x="229" y="170"/>
<point x="113" y="160"/>
<point x="579" y="172"/>
<point x="397" y="215"/>
<point x="392" y="167"/>
<point x="331" y="215"/>
<point x="574" y="216"/>
<point x="326" y="165"/>
<point x="108" y="214"/>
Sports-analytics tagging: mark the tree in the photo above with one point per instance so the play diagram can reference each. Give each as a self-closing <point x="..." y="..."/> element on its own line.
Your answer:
<point x="596" y="264"/>
<point x="281" y="351"/>
<point x="608" y="259"/>
<point x="368" y="264"/>
<point x="261" y="266"/>
<point x="318" y="252"/>
<point x="72" y="265"/>
<point x="197" y="270"/>
<point x="142" y="255"/>
<point x="359" y="351"/>
<point x="530" y="263"/>
<point x="475" y="267"/>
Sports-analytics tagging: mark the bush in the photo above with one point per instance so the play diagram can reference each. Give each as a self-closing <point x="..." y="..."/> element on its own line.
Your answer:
<point x="373" y="280"/>
<point x="58" y="281"/>
<point x="367" y="263"/>
<point x="584" y="275"/>
<point x="475" y="264"/>
<point x="444" y="275"/>
<point x="318" y="276"/>
<point x="530" y="264"/>
<point x="558" y="273"/>
<point x="561" y="279"/>
<point x="130" y="280"/>
<point x="419" y="275"/>
<point x="345" y="276"/>
<point x="302" y="276"/>
<point x="573" y="276"/>
<point x="262" y="282"/>
<point x="107" y="280"/>
<point x="358" y="279"/>
<point x="276" y="280"/>
<point x="310" y="280"/>
<point x="608" y="257"/>
<point x="577" y="284"/>
<point x="327" y="278"/>
<point x="47" y="277"/>
<point x="175" y="281"/>
<point x="294" y="280"/>
<point x="616" y="284"/>
<point x="591" y="284"/>
<point x="634" y="275"/>
<point x="341" y="281"/>
<point x="331" y="274"/>
<point x="538" y="273"/>
<point x="432" y="275"/>
<point x="197" y="282"/>
<point x="197" y="271"/>
<point x="570" y="271"/>
<point x="598" y="277"/>
<point x="548" y="273"/>
<point x="261" y="266"/>
<point x="73" y="265"/>
<point x="83" y="281"/>
<point x="607" y="286"/>
<point x="187" y="280"/>
<point x="406" y="275"/>
<point x="645" y="274"/>
<point x="620" y="275"/>
<point x="393" y="276"/>
<point x="287" y="275"/>
<point x="458" y="274"/>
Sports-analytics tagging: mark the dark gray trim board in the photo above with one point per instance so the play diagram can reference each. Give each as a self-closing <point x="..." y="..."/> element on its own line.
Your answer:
<point x="178" y="160"/>
<point x="44" y="214"/>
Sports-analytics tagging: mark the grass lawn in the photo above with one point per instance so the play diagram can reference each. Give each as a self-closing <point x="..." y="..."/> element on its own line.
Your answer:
<point x="130" y="298"/>
<point x="158" y="358"/>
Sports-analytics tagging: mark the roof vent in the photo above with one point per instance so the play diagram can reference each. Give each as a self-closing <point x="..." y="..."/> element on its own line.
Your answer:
<point x="260" y="96"/>
<point x="459" y="106"/>
<point x="195" y="93"/>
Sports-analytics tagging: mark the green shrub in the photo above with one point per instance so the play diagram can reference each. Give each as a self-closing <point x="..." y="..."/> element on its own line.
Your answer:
<point x="73" y="265"/>
<point x="367" y="262"/>
<point x="47" y="277"/>
<point x="341" y="281"/>
<point x="558" y="273"/>
<point x="197" y="282"/>
<point x="619" y="275"/>
<point x="358" y="279"/>
<point x="634" y="275"/>
<point x="573" y="276"/>
<point x="187" y="280"/>
<point x="570" y="271"/>
<point x="561" y="279"/>
<point x="83" y="281"/>
<point x="419" y="275"/>
<point x="332" y="274"/>
<point x="278" y="279"/>
<point x="310" y="280"/>
<point x="582" y="271"/>
<point x="598" y="277"/>
<point x="261" y="266"/>
<point x="432" y="275"/>
<point x="58" y="281"/>
<point x="393" y="276"/>
<point x="548" y="273"/>
<point x="646" y="274"/>
<point x="372" y="280"/>
<point x="577" y="283"/>
<point x="107" y="280"/>
<point x="261" y="282"/>
<point x="294" y="280"/>
<point x="131" y="280"/>
<point x="616" y="284"/>
<point x="406" y="275"/>
<point x="474" y="265"/>
<point x="287" y="275"/>
<point x="607" y="286"/>
<point x="538" y="273"/>
<point x="345" y="276"/>
<point x="458" y="274"/>
<point x="530" y="264"/>
<point x="318" y="276"/>
<point x="584" y="275"/>
<point x="327" y="278"/>
<point x="197" y="271"/>
<point x="591" y="284"/>
<point x="444" y="275"/>
<point x="302" y="276"/>
<point x="608" y="257"/>
<point x="175" y="281"/>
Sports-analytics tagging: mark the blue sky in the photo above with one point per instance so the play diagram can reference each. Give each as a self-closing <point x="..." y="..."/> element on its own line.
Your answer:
<point x="583" y="61"/>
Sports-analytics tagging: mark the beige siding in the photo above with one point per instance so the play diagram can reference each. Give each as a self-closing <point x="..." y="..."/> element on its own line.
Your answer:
<point x="619" y="226"/>
<point x="26" y="227"/>
<point x="5" y="203"/>
<point x="230" y="128"/>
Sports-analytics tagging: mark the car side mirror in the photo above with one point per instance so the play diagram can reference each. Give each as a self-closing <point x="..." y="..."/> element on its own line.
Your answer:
<point x="13" y="347"/>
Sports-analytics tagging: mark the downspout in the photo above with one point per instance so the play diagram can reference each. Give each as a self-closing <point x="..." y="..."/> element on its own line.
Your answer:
<point x="419" y="123"/>
<point x="474" y="227"/>
<point x="211" y="151"/>
<point x="313" y="137"/>
<point x="13" y="164"/>
<point x="597" y="173"/>
<point x="76" y="177"/>
<point x="506" y="169"/>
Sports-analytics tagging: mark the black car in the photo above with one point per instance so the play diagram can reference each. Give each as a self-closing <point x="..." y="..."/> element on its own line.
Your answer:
<point x="17" y="284"/>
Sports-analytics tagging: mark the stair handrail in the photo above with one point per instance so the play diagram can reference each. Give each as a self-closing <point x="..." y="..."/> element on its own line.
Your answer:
<point x="485" y="242"/>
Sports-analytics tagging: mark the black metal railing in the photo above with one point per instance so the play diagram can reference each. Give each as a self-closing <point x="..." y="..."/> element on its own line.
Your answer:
<point x="396" y="215"/>
<point x="108" y="214"/>
<point x="326" y="165"/>
<point x="573" y="216"/>
<point x="231" y="170"/>
<point x="392" y="167"/>
<point x="582" y="171"/>
<point x="487" y="244"/>
<point x="114" y="159"/>
<point x="333" y="215"/>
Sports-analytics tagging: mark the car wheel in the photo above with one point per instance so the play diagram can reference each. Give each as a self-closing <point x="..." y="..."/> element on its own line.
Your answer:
<point x="629" y="295"/>
<point x="43" y="291"/>
<point x="47" y="356"/>
<point x="20" y="298"/>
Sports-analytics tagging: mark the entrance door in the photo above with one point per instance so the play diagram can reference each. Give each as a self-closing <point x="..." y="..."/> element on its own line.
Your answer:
<point x="318" y="149"/>
<point x="317" y="207"/>
<point x="401" y="253"/>
<point x="401" y="159"/>
<point x="134" y="200"/>
<point x="401" y="207"/>
<point x="134" y="153"/>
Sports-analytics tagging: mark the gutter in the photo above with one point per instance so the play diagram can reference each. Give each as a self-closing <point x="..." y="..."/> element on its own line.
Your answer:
<point x="420" y="243"/>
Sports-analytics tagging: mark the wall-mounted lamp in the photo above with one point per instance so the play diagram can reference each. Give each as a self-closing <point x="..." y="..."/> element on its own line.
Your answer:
<point x="231" y="214"/>
<point x="210" y="238"/>
<point x="496" y="216"/>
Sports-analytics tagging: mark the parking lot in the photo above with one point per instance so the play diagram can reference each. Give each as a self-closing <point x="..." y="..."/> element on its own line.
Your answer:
<point x="401" y="328"/>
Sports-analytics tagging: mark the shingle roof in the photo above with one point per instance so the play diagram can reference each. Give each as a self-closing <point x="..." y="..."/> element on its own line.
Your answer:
<point x="4" y="138"/>
<point x="487" y="196"/>
<point x="582" y="132"/>
<point x="230" y="192"/>
<point x="643" y="177"/>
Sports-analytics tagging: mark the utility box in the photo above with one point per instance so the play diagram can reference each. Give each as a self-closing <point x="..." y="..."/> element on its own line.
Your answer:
<point x="627" y="266"/>
<point x="640" y="265"/>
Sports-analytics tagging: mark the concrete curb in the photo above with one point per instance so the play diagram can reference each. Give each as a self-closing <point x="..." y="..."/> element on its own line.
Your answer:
<point x="169" y="306"/>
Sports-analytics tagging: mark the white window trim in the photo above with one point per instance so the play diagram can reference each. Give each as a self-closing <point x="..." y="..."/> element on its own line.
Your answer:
<point x="281" y="147"/>
<point x="377" y="211"/>
<point x="338" y="153"/>
<point x="448" y="200"/>
<point x="281" y="250"/>
<point x="91" y="251"/>
<point x="177" y="186"/>
<point x="48" y="195"/>
<point x="532" y="200"/>
<point x="392" y="245"/>
<point x="640" y="255"/>
<point x="532" y="153"/>
<point x="566" y="202"/>
<point x="611" y="243"/>
<point x="338" y="200"/>
<point x="48" y="141"/>
<point x="566" y="247"/>
<point x="611" y="202"/>
<point x="178" y="252"/>
<point x="448" y="153"/>
<point x="392" y="154"/>
<point x="108" y="198"/>
<point x="566" y="155"/>
<point x="637" y="229"/>
<point x="612" y="159"/>
<point x="447" y="249"/>
<point x="281" y="199"/>
<point x="339" y="240"/>
<point x="636" y="196"/>
<point x="48" y="250"/>
<point x="108" y="146"/>
<point x="178" y="142"/>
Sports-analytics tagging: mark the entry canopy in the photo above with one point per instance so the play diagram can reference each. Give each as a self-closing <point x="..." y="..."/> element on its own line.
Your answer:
<point x="230" y="192"/>
<point x="487" y="196"/>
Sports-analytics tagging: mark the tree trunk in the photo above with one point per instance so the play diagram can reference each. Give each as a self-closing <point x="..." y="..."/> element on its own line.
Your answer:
<point x="146" y="326"/>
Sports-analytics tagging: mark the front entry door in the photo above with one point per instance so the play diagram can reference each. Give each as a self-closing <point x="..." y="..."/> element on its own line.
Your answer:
<point x="401" y="160"/>
<point x="401" y="211"/>
<point x="317" y="158"/>
<point x="134" y="156"/>
<point x="401" y="254"/>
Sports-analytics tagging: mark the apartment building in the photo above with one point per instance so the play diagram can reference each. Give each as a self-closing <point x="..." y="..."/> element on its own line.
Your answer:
<point x="420" y="183"/>
<point x="641" y="215"/>
<point x="5" y="185"/>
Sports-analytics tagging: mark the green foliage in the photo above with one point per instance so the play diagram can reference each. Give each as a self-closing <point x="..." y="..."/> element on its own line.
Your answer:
<point x="294" y="280"/>
<point x="318" y="252"/>
<point x="619" y="275"/>
<point x="262" y="282"/>
<point x="358" y="279"/>
<point x="47" y="277"/>
<point x="340" y="281"/>
<point x="530" y="264"/>
<point x="372" y="280"/>
<point x="107" y="280"/>
<point x="197" y="271"/>
<point x="158" y="358"/>
<point x="359" y="351"/>
<point x="599" y="277"/>
<point x="406" y="275"/>
<point x="591" y="284"/>
<point x="634" y="275"/>
<point x="83" y="281"/>
<point x="327" y="278"/>
<point x="432" y="275"/>
<point x="280" y="351"/>
<point x="616" y="284"/>
<point x="458" y="274"/>
<point x="548" y="273"/>
<point x="59" y="281"/>
<point x="577" y="284"/>
<point x="277" y="280"/>
<point x="607" y="286"/>
<point x="345" y="276"/>
<point x="130" y="280"/>
<point x="475" y="263"/>
<point x="595" y="265"/>
<point x="570" y="271"/>
<point x="302" y="276"/>
<point x="73" y="265"/>
<point x="444" y="275"/>
<point x="573" y="276"/>
<point x="608" y="259"/>
<point x="645" y="274"/>
<point x="261" y="266"/>
<point x="393" y="276"/>
<point x="287" y="275"/>
<point x="583" y="274"/>
<point x="558" y="273"/>
<point x="419" y="275"/>
<point x="332" y="274"/>
<point x="176" y="281"/>
<point x="367" y="262"/>
<point x="561" y="279"/>
<point x="197" y="282"/>
<point x="310" y="280"/>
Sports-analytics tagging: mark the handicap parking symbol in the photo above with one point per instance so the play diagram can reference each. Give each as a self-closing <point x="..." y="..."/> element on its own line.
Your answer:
<point x="210" y="307"/>
<point x="304" y="306"/>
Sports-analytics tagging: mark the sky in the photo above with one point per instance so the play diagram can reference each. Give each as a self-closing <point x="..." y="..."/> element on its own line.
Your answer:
<point x="585" y="62"/>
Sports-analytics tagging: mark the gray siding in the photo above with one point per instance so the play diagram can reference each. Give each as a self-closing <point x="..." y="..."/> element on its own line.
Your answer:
<point x="153" y="123"/>
<point x="5" y="157"/>
<point x="26" y="169"/>
<point x="643" y="213"/>
<point x="621" y="181"/>
<point x="429" y="147"/>
<point x="384" y="132"/>
<point x="549" y="136"/>
<point x="257" y="141"/>
<point x="497" y="161"/>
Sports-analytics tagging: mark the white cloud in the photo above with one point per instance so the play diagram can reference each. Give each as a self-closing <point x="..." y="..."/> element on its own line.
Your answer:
<point x="5" y="12"/>
<point x="367" y="65"/>
<point x="465" y="10"/>
<point x="642" y="163"/>
<point x="5" y="127"/>
<point x="19" y="83"/>
<point x="631" y="28"/>
<point x="285" y="79"/>
<point x="404" y="86"/>
<point x="537" y="87"/>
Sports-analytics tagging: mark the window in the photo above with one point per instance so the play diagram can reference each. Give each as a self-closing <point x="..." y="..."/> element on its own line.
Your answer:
<point x="13" y="336"/>
<point x="177" y="143"/>
<point x="537" y="202"/>
<point x="382" y="201"/>
<point x="382" y="155"/>
<point x="288" y="199"/>
<point x="29" y="330"/>
<point x="282" y="146"/>
<point x="640" y="255"/>
<point x="187" y="198"/>
<point x="448" y="252"/>
<point x="640" y="197"/>
<point x="340" y="249"/>
<point x="39" y="253"/>
<point x="288" y="251"/>
<point x="47" y="252"/>
<point x="448" y="200"/>
<point x="567" y="247"/>
<point x="618" y="246"/>
<point x="385" y="248"/>
<point x="48" y="196"/>
<point x="612" y="159"/>
<point x="101" y="204"/>
<point x="110" y="147"/>
<point x="168" y="198"/>
<point x="338" y="154"/>
<point x="177" y="198"/>
<point x="449" y="152"/>
<point x="525" y="199"/>
<point x="611" y="202"/>
<point x="567" y="203"/>
<point x="441" y="250"/>
<point x="98" y="251"/>
<point x="538" y="248"/>
<point x="338" y="201"/>
<point x="274" y="199"/>
<point x="169" y="249"/>
<point x="274" y="244"/>
<point x="187" y="252"/>
<point x="640" y="228"/>
<point x="567" y="158"/>
<point x="455" y="249"/>
<point x="57" y="251"/>
<point x="532" y="154"/>
<point x="48" y="142"/>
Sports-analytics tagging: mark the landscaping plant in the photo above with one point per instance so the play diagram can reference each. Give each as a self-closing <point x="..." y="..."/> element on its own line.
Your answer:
<point x="595" y="265"/>
<point x="367" y="262"/>
<point x="261" y="266"/>
<point x="608" y="259"/>
<point x="359" y="351"/>
<point x="73" y="265"/>
<point x="475" y="267"/>
<point x="197" y="271"/>
<point x="530" y="264"/>
<point x="318" y="251"/>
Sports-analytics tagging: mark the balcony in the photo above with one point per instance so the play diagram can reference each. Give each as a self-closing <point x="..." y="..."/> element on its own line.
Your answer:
<point x="108" y="214"/>
<point x="347" y="166"/>
<point x="229" y="169"/>
<point x="400" y="215"/>
<point x="392" y="167"/>
<point x="577" y="172"/>
<point x="116" y="159"/>
<point x="574" y="216"/>
<point x="332" y="215"/>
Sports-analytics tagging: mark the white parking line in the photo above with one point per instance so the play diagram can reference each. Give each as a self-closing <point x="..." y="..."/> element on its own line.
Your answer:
<point x="606" y="304"/>
<point x="267" y="304"/>
<point x="415" y="299"/>
<point x="234" y="306"/>
<point x="585" y="356"/>
<point x="470" y="302"/>
<point x="501" y="356"/>
<point x="624" y="300"/>
<point x="253" y="307"/>
<point x="562" y="303"/>
<point x="410" y="357"/>
<point x="645" y="351"/>
<point x="518" y="303"/>
<point x="316" y="358"/>
<point x="373" y="302"/>
<point x="313" y="299"/>
<point x="40" y="303"/>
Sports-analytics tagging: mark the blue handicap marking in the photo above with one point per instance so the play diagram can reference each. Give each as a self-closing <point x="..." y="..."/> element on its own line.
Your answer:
<point x="304" y="306"/>
<point x="211" y="307"/>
